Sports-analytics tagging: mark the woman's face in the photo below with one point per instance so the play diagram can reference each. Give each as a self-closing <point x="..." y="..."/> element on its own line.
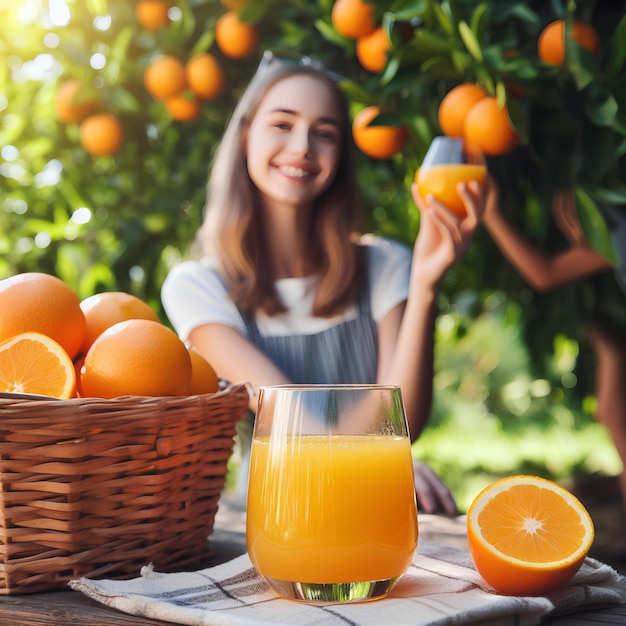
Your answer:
<point x="294" y="141"/>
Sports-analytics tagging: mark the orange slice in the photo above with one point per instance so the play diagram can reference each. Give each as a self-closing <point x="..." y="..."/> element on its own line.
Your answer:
<point x="527" y="535"/>
<point x="33" y="363"/>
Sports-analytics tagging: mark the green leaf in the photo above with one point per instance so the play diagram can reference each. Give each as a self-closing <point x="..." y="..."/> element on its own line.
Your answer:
<point x="442" y="13"/>
<point x="411" y="10"/>
<point x="580" y="62"/>
<point x="594" y="226"/>
<point x="439" y="65"/>
<point x="602" y="109"/>
<point x="120" y="99"/>
<point x="393" y="64"/>
<point x="428" y="42"/>
<point x="518" y="119"/>
<point x="616" y="195"/>
<point x="255" y="10"/>
<point x="478" y="20"/>
<point x="617" y="47"/>
<point x="462" y="62"/>
<point x="204" y="42"/>
<point x="470" y="41"/>
<point x="329" y="33"/>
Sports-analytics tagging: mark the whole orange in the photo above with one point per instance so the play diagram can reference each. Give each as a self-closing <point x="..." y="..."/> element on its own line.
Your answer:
<point x="69" y="105"/>
<point x="372" y="49"/>
<point x="378" y="142"/>
<point x="204" y="76"/>
<point x="551" y="43"/>
<point x="152" y="14"/>
<point x="487" y="129"/>
<point x="353" y="18"/>
<point x="42" y="303"/>
<point x="203" y="376"/>
<point x="137" y="358"/>
<point x="455" y="105"/>
<point x="164" y="76"/>
<point x="101" y="134"/>
<point x="236" y="39"/>
<point x="183" y="108"/>
<point x="103" y="310"/>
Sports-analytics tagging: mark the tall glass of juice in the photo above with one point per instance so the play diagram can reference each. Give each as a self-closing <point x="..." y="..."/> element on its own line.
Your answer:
<point x="331" y="515"/>
<point x="445" y="165"/>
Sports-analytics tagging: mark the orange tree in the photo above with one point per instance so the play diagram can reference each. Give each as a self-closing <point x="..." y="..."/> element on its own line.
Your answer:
<point x="117" y="217"/>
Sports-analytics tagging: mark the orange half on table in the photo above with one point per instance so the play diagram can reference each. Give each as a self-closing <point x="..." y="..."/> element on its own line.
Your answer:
<point x="32" y="363"/>
<point x="527" y="535"/>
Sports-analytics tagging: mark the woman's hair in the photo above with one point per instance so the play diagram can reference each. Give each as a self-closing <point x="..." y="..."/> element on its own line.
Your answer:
<point x="233" y="230"/>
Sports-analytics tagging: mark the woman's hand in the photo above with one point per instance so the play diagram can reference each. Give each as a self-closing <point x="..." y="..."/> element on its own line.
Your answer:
<point x="444" y="237"/>
<point x="432" y="495"/>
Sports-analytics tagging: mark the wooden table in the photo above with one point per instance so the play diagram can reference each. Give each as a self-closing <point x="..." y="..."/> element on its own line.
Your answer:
<point x="71" y="608"/>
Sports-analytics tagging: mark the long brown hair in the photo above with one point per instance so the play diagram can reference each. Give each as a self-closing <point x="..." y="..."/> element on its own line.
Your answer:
<point x="233" y="230"/>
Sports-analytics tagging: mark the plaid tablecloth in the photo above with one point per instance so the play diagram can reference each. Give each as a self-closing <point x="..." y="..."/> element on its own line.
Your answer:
<point x="441" y="587"/>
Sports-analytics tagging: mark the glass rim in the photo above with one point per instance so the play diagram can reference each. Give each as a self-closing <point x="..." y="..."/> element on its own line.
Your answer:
<point x="332" y="386"/>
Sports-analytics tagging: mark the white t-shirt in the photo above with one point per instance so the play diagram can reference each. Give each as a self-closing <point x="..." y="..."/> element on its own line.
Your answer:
<point x="194" y="294"/>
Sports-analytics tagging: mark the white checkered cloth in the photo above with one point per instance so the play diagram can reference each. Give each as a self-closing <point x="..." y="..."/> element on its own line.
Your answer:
<point x="441" y="587"/>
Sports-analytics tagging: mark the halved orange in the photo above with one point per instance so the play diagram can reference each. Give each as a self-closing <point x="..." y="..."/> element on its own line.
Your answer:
<point x="34" y="363"/>
<point x="527" y="535"/>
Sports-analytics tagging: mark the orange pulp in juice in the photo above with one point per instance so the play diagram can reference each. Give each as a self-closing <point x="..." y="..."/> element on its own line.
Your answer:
<point x="331" y="509"/>
<point x="442" y="180"/>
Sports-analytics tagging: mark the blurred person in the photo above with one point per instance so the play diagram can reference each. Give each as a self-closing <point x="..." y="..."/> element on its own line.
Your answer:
<point x="546" y="271"/>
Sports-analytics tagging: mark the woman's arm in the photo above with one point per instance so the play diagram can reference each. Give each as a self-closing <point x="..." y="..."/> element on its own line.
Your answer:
<point x="406" y="333"/>
<point x="542" y="271"/>
<point x="233" y="357"/>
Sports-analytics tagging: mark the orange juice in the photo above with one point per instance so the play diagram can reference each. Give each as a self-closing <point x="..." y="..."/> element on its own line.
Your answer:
<point x="442" y="180"/>
<point x="331" y="509"/>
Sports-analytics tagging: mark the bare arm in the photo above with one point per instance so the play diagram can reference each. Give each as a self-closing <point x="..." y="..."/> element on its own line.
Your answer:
<point x="406" y="334"/>
<point x="543" y="271"/>
<point x="235" y="358"/>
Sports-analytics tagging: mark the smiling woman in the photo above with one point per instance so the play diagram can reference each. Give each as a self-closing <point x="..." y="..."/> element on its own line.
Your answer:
<point x="289" y="289"/>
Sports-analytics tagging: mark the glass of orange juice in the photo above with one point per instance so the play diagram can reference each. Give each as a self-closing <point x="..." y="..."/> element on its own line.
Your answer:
<point x="445" y="165"/>
<point x="331" y="514"/>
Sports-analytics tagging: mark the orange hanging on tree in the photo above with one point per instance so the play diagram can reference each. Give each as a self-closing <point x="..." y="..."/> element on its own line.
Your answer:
<point x="101" y="134"/>
<point x="378" y="142"/>
<point x="353" y="18"/>
<point x="152" y="14"/>
<point x="487" y="129"/>
<point x="455" y="106"/>
<point x="551" y="44"/>
<point x="372" y="50"/>
<point x="69" y="105"/>
<point x="164" y="77"/>
<point x="236" y="39"/>
<point x="204" y="76"/>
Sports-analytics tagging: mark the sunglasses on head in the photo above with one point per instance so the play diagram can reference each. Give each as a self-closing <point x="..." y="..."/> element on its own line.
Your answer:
<point x="269" y="58"/>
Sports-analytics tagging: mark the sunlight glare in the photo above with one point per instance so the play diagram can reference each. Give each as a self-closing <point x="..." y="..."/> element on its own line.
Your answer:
<point x="9" y="153"/>
<point x="59" y="12"/>
<point x="42" y="240"/>
<point x="97" y="61"/>
<point x="50" y="175"/>
<point x="102" y="22"/>
<point x="81" y="215"/>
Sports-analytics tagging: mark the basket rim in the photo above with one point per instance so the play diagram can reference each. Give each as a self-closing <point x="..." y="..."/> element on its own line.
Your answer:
<point x="226" y="387"/>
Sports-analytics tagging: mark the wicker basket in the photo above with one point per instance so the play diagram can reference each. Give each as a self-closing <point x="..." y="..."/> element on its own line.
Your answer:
<point x="98" y="488"/>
